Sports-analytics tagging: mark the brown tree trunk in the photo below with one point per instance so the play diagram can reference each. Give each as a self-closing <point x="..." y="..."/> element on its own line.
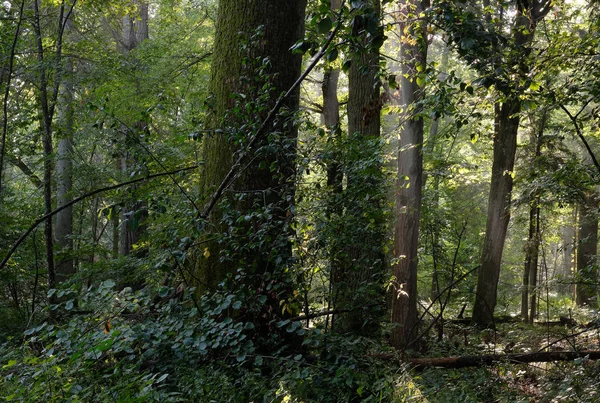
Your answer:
<point x="410" y="171"/>
<point x="257" y="186"/>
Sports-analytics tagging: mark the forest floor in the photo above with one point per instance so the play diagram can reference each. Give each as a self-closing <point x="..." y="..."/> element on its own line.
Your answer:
<point x="570" y="381"/>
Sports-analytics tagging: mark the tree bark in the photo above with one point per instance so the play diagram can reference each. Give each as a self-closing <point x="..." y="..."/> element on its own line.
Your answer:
<point x="410" y="171"/>
<point x="258" y="186"/>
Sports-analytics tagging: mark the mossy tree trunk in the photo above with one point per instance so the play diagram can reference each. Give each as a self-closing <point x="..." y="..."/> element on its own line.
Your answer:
<point x="252" y="47"/>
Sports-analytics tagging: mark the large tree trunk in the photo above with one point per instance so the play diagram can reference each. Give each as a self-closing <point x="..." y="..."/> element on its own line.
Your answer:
<point x="64" y="173"/>
<point x="505" y="146"/>
<point x="586" y="289"/>
<point x="410" y="171"/>
<point x="258" y="186"/>
<point x="358" y="278"/>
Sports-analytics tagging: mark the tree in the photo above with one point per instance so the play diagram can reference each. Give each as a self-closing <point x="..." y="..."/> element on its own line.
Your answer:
<point x="529" y="14"/>
<point x="47" y="102"/>
<point x="252" y="66"/>
<point x="64" y="166"/>
<point x="413" y="54"/>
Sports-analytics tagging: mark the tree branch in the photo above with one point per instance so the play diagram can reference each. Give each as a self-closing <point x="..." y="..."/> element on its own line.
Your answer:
<point x="16" y="161"/>
<point x="80" y="198"/>
<point x="580" y="135"/>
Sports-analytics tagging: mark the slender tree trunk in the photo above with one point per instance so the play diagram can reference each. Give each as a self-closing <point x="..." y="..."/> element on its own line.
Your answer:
<point x="46" y="120"/>
<point x="410" y="171"/>
<point x="586" y="289"/>
<point x="430" y="150"/>
<point x="533" y="239"/>
<point x="257" y="186"/>
<point x="331" y="119"/>
<point x="358" y="279"/>
<point x="11" y="59"/>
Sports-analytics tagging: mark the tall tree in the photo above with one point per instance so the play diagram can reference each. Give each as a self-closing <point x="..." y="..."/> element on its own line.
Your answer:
<point x="134" y="31"/>
<point x="252" y="65"/>
<point x="47" y="100"/>
<point x="528" y="15"/>
<point x="64" y="167"/>
<point x="413" y="55"/>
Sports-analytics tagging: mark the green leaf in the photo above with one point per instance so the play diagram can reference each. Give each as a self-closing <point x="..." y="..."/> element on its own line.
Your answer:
<point x="346" y="65"/>
<point x="69" y="305"/>
<point x="332" y="55"/>
<point x="324" y="25"/>
<point x="421" y="80"/>
<point x="528" y="105"/>
<point x="163" y="291"/>
<point x="105" y="345"/>
<point x="9" y="364"/>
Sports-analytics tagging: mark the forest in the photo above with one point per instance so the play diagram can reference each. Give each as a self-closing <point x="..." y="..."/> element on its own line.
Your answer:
<point x="299" y="200"/>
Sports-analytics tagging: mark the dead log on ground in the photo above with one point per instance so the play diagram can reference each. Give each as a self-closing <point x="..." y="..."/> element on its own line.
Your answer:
<point x="481" y="360"/>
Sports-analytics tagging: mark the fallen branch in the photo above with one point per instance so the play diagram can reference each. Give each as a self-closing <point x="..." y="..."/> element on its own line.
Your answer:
<point x="481" y="360"/>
